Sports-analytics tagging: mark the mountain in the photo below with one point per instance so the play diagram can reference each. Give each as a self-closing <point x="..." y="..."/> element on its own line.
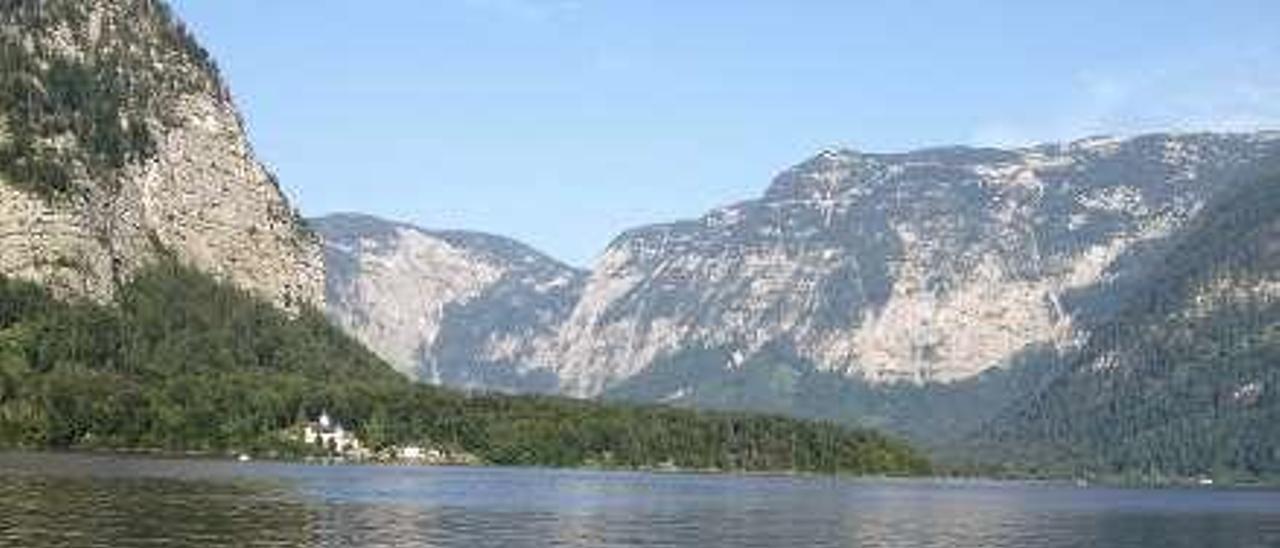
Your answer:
<point x="920" y="291"/>
<point x="120" y="146"/>
<point x="457" y="308"/>
<point x="1183" y="380"/>
<point x="929" y="266"/>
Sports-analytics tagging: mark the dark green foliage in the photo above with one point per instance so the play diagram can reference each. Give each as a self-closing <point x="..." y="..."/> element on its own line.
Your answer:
<point x="184" y="363"/>
<point x="778" y="380"/>
<point x="1190" y="377"/>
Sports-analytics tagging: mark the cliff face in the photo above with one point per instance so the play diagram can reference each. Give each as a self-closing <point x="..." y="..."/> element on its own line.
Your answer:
<point x="119" y="144"/>
<point x="927" y="266"/>
<point x="458" y="308"/>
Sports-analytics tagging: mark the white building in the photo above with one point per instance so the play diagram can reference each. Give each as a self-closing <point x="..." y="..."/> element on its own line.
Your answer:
<point x="327" y="433"/>
<point x="414" y="453"/>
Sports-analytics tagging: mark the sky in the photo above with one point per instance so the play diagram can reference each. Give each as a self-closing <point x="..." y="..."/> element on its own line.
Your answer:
<point x="562" y="123"/>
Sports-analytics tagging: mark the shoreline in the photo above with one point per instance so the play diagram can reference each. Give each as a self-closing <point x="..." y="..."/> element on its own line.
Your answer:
<point x="226" y="457"/>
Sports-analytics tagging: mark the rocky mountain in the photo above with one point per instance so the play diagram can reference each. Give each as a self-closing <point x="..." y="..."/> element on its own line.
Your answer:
<point x="119" y="145"/>
<point x="929" y="266"/>
<point x="1183" y="379"/>
<point x="457" y="308"/>
<point x="921" y="291"/>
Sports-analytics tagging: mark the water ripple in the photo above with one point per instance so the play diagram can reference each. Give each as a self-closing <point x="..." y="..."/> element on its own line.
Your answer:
<point x="84" y="501"/>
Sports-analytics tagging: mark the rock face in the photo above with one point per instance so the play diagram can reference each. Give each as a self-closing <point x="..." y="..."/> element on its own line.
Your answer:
<point x="458" y="308"/>
<point x="119" y="145"/>
<point x="918" y="269"/>
<point x="926" y="266"/>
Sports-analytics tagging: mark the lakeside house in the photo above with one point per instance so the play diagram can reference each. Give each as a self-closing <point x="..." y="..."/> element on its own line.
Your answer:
<point x="330" y="434"/>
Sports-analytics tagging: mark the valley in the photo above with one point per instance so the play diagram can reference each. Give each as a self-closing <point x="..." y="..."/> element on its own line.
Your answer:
<point x="1100" y="307"/>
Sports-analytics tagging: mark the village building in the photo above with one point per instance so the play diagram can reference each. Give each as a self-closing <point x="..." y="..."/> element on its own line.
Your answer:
<point x="419" y="454"/>
<point x="327" y="433"/>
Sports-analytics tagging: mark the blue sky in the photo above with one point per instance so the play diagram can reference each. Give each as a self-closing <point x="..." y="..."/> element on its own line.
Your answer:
<point x="563" y="122"/>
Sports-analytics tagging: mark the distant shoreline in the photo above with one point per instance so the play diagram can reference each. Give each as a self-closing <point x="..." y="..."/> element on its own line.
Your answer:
<point x="1187" y="484"/>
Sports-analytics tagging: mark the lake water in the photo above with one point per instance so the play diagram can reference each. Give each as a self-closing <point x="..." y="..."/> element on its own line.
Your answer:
<point x="75" y="500"/>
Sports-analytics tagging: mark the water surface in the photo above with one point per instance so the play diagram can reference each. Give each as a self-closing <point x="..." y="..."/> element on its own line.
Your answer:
<point x="75" y="500"/>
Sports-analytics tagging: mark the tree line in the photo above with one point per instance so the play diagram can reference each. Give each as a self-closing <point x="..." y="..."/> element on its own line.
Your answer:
<point x="181" y="362"/>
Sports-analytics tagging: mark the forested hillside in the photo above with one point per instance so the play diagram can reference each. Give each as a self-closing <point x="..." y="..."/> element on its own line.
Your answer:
<point x="1185" y="380"/>
<point x="185" y="363"/>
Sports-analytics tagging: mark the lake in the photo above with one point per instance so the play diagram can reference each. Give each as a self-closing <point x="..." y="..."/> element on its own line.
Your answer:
<point x="49" y="500"/>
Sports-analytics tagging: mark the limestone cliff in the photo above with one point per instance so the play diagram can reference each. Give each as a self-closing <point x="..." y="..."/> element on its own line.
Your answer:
<point x="926" y="266"/>
<point x="120" y="144"/>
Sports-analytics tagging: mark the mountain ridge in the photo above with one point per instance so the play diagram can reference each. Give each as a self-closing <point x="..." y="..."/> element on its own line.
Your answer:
<point x="817" y="189"/>
<point x="795" y="217"/>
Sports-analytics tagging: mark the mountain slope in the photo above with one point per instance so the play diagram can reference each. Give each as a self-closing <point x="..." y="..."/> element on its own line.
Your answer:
<point x="930" y="266"/>
<point x="457" y="308"/>
<point x="1183" y="381"/>
<point x="119" y="144"/>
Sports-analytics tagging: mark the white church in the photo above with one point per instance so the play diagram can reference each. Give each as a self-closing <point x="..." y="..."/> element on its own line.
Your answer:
<point x="327" y="433"/>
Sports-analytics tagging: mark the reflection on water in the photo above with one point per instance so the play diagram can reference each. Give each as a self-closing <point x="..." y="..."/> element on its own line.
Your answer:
<point x="62" y="500"/>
